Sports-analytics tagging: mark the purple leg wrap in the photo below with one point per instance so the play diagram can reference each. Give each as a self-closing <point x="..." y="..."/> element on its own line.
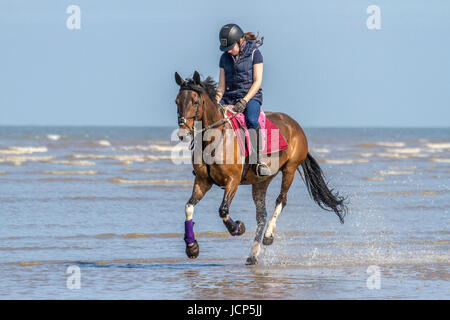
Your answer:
<point x="237" y="230"/>
<point x="189" y="232"/>
<point x="230" y="224"/>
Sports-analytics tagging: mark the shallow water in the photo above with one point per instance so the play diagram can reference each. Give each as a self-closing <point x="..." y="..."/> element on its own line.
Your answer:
<point x="110" y="201"/>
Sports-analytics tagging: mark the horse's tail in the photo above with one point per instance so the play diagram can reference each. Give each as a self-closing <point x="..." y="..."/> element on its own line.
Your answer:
<point x="318" y="188"/>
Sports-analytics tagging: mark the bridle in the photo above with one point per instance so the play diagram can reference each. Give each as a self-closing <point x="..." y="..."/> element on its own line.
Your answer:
<point x="183" y="120"/>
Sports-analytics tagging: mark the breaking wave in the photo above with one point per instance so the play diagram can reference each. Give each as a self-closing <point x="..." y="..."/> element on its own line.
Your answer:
<point x="103" y="143"/>
<point x="442" y="160"/>
<point x="127" y="159"/>
<point x="19" y="160"/>
<point x="73" y="163"/>
<point x="319" y="150"/>
<point x="393" y="172"/>
<point x="153" y="170"/>
<point x="404" y="150"/>
<point x="53" y="137"/>
<point x="155" y="147"/>
<point x="148" y="181"/>
<point x="22" y="150"/>
<point x="344" y="161"/>
<point x="86" y="172"/>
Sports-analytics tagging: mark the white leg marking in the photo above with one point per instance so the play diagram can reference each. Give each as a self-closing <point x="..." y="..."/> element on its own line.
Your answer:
<point x="189" y="210"/>
<point x="272" y="222"/>
<point x="256" y="248"/>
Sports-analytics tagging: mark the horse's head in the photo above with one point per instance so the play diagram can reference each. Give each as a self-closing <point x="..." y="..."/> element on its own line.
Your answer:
<point x="189" y="104"/>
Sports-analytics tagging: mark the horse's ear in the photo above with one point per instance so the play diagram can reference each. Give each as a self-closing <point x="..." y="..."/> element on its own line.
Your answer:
<point x="196" y="77"/>
<point x="179" y="80"/>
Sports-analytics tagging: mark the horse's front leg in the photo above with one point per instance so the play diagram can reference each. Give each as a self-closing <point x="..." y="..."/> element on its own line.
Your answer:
<point x="234" y="228"/>
<point x="201" y="186"/>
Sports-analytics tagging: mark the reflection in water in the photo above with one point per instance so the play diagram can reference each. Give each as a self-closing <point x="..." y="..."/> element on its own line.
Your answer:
<point x="249" y="282"/>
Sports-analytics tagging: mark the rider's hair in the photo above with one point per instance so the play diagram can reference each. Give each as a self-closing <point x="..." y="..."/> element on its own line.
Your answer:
<point x="251" y="36"/>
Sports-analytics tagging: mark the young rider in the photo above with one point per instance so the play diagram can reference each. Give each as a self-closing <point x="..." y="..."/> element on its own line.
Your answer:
<point x="241" y="69"/>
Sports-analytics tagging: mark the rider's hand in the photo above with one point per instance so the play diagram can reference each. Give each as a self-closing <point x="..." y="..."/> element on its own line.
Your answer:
<point x="240" y="106"/>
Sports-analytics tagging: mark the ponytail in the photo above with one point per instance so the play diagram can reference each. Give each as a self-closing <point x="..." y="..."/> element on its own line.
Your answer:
<point x="251" y="36"/>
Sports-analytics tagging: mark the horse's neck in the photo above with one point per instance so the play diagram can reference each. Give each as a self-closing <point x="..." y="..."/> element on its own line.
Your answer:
<point x="211" y="113"/>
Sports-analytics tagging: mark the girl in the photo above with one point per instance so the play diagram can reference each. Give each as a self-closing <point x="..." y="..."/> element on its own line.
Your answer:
<point x="241" y="69"/>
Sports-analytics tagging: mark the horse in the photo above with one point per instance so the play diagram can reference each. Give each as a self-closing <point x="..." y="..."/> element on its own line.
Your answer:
<point x="196" y="103"/>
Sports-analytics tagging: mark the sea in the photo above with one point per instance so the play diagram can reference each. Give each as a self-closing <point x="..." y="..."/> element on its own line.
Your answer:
<point x="98" y="213"/>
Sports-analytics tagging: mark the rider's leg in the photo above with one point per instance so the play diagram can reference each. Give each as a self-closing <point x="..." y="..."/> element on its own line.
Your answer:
<point x="251" y="113"/>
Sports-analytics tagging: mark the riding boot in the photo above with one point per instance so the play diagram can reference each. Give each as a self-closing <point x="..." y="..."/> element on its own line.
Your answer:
<point x="261" y="169"/>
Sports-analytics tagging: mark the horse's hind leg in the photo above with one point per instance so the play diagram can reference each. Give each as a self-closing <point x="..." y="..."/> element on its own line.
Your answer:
<point x="259" y="198"/>
<point x="201" y="186"/>
<point x="288" y="176"/>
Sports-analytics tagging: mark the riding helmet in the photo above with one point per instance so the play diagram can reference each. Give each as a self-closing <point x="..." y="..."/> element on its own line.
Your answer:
<point x="229" y="35"/>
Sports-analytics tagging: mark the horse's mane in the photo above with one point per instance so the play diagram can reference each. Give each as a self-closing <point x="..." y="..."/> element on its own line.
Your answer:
<point x="209" y="86"/>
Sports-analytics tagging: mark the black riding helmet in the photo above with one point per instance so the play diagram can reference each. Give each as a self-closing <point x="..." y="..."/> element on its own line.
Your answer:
<point x="229" y="35"/>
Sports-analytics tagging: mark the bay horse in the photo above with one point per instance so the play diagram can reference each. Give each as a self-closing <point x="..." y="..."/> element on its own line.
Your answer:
<point x="196" y="102"/>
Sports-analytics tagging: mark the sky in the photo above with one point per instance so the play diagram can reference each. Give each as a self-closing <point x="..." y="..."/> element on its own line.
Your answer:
<point x="323" y="65"/>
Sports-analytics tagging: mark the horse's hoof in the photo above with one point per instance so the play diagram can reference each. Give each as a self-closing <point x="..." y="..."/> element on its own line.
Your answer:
<point x="251" y="261"/>
<point x="267" y="241"/>
<point x="235" y="228"/>
<point x="241" y="229"/>
<point x="192" y="250"/>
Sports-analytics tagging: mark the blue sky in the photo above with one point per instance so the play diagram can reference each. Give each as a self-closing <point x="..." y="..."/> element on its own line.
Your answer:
<point x="322" y="65"/>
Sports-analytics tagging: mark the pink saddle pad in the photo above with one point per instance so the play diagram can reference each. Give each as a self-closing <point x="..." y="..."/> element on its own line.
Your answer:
<point x="272" y="139"/>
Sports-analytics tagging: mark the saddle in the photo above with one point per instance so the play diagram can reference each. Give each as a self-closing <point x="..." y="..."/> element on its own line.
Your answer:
<point x="272" y="139"/>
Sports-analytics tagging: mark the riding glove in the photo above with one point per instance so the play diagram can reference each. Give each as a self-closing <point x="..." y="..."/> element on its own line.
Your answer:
<point x="240" y="106"/>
